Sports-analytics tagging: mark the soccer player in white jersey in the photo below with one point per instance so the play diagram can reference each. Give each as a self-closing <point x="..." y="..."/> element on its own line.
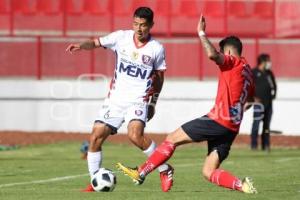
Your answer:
<point x="134" y="90"/>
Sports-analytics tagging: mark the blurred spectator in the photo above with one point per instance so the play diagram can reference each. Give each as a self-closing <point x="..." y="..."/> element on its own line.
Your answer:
<point x="84" y="149"/>
<point x="265" y="93"/>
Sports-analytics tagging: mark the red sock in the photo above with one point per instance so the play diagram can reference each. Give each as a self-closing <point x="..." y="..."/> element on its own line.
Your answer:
<point x="161" y="154"/>
<point x="225" y="179"/>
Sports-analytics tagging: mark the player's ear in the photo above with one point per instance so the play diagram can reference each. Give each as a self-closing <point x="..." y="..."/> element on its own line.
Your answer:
<point x="151" y="24"/>
<point x="222" y="49"/>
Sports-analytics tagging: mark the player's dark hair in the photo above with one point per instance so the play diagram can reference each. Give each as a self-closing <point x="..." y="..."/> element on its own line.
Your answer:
<point x="144" y="12"/>
<point x="263" y="58"/>
<point x="231" y="41"/>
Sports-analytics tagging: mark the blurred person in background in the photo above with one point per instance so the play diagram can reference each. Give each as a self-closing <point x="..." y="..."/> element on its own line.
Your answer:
<point x="265" y="93"/>
<point x="134" y="90"/>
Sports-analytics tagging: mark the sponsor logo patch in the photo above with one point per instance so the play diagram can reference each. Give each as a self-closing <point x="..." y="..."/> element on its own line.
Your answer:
<point x="146" y="59"/>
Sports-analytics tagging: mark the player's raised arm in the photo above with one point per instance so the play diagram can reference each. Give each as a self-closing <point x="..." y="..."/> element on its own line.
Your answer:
<point x="210" y="50"/>
<point x="86" y="45"/>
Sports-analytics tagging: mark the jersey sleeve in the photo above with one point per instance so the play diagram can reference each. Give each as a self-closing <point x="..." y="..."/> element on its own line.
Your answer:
<point x="228" y="63"/>
<point x="160" y="60"/>
<point x="110" y="40"/>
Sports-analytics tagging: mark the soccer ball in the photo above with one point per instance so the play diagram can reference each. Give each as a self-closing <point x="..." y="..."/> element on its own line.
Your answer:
<point x="104" y="180"/>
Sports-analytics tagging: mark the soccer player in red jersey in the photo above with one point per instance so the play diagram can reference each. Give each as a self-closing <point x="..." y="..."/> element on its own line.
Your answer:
<point x="220" y="126"/>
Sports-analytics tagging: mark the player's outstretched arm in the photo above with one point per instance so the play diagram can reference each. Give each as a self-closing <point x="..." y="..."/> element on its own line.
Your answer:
<point x="86" y="45"/>
<point x="210" y="50"/>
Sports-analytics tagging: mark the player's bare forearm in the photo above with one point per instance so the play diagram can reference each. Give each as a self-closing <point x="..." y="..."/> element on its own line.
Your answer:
<point x="87" y="45"/>
<point x="208" y="47"/>
<point x="157" y="85"/>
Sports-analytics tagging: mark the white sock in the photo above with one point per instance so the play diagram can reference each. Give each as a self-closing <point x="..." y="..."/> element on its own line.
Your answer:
<point x="94" y="160"/>
<point x="149" y="152"/>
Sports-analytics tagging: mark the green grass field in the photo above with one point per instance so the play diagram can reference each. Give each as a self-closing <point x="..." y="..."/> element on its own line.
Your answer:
<point x="56" y="172"/>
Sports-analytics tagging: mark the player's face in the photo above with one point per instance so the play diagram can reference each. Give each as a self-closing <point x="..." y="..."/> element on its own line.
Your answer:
<point x="141" y="28"/>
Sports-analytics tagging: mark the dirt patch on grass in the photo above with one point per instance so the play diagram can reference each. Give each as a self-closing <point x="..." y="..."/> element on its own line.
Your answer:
<point x="21" y="138"/>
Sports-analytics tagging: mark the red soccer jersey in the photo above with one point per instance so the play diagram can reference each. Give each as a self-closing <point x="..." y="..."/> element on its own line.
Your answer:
<point x="234" y="87"/>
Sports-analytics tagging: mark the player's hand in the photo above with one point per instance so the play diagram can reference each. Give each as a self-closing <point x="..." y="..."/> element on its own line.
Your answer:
<point x="72" y="48"/>
<point x="247" y="106"/>
<point x="151" y="111"/>
<point x="201" y="24"/>
<point x="257" y="100"/>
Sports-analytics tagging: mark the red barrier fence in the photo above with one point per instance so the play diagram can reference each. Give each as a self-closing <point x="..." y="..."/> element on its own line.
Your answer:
<point x="248" y="18"/>
<point x="35" y="33"/>
<point x="45" y="57"/>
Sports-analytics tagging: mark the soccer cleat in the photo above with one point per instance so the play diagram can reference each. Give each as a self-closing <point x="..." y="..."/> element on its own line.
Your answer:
<point x="132" y="173"/>
<point x="89" y="188"/>
<point x="247" y="186"/>
<point x="166" y="179"/>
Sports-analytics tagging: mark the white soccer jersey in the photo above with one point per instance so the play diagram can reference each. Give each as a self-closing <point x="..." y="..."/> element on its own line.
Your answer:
<point x="134" y="65"/>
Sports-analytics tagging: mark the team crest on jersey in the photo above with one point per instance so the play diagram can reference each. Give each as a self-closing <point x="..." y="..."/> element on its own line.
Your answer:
<point x="138" y="112"/>
<point x="135" y="55"/>
<point x="146" y="59"/>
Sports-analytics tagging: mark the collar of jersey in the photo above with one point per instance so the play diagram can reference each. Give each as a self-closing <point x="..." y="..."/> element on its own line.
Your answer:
<point x="135" y="43"/>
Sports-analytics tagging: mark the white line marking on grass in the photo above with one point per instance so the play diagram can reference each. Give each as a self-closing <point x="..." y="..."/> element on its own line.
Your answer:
<point x="186" y="165"/>
<point x="197" y="164"/>
<point x="286" y="159"/>
<point x="43" y="181"/>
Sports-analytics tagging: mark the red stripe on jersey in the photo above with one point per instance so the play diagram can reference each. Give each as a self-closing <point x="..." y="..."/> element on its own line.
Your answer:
<point x="111" y="85"/>
<point x="150" y="91"/>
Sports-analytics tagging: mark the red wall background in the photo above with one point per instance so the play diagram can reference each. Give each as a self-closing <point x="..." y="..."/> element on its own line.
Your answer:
<point x="35" y="33"/>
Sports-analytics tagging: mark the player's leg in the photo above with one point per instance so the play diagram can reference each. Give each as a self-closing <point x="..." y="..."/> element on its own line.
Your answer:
<point x="187" y="133"/>
<point x="107" y="122"/>
<point x="266" y="128"/>
<point x="137" y="137"/>
<point x="161" y="154"/>
<point x="192" y="131"/>
<point x="218" y="151"/>
<point x="136" y="134"/>
<point x="164" y="151"/>
<point x="257" y="116"/>
<point x="137" y="116"/>
<point x="94" y="157"/>
<point x="220" y="177"/>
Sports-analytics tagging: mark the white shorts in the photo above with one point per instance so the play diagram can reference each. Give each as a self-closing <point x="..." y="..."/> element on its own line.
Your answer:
<point x="114" y="114"/>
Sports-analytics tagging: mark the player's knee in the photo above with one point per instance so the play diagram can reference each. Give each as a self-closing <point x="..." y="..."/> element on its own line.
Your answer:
<point x="97" y="137"/>
<point x="135" y="136"/>
<point x="170" y="137"/>
<point x="93" y="139"/>
<point x="174" y="137"/>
